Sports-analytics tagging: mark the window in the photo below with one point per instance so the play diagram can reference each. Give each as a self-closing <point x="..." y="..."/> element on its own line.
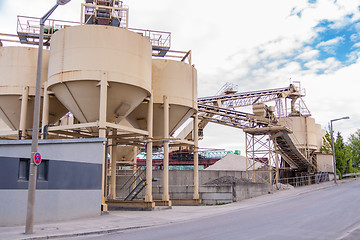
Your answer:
<point x="24" y="169"/>
<point x="24" y="166"/>
<point x="42" y="170"/>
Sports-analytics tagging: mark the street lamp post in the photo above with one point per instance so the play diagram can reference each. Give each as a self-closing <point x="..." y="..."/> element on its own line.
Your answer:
<point x="35" y="132"/>
<point x="332" y="143"/>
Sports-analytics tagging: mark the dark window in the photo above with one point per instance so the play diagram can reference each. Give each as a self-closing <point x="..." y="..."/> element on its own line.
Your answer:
<point x="24" y="166"/>
<point x="24" y="169"/>
<point x="42" y="170"/>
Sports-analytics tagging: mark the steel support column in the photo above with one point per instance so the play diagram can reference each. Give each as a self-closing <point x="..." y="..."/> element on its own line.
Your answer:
<point x="102" y="133"/>
<point x="165" y="196"/>
<point x="113" y="159"/>
<point x="45" y="113"/>
<point x="23" y="111"/>
<point x="196" y="157"/>
<point x="149" y="145"/>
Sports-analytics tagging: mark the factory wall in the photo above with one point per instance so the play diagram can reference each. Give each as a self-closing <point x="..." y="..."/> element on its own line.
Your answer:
<point x="68" y="185"/>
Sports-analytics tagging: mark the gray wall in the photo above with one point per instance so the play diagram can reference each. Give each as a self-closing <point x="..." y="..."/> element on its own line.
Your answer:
<point x="181" y="186"/>
<point x="73" y="187"/>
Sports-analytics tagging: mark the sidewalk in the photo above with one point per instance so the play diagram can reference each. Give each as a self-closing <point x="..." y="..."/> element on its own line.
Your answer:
<point x="123" y="220"/>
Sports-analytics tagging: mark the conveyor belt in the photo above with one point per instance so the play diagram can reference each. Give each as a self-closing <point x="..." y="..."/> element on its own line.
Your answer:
<point x="293" y="156"/>
<point x="229" y="117"/>
<point x="243" y="120"/>
<point x="249" y="98"/>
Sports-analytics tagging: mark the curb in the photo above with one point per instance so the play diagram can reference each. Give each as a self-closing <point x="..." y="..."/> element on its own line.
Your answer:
<point x="99" y="232"/>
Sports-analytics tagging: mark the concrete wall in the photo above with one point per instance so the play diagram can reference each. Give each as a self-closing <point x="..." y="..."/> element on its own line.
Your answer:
<point x="325" y="162"/>
<point x="71" y="190"/>
<point x="181" y="186"/>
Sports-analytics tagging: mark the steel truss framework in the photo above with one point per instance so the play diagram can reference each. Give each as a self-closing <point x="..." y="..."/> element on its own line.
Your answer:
<point x="249" y="98"/>
<point x="262" y="159"/>
<point x="265" y="140"/>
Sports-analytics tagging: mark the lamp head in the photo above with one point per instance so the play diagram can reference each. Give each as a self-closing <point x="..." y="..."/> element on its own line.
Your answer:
<point x="62" y="2"/>
<point x="346" y="117"/>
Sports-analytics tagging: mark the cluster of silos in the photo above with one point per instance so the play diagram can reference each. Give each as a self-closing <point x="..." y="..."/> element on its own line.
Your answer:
<point x="101" y="74"/>
<point x="306" y="134"/>
<point x="92" y="66"/>
<point x="18" y="67"/>
<point x="83" y="56"/>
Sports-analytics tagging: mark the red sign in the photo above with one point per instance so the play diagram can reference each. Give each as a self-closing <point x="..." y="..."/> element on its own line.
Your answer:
<point x="37" y="158"/>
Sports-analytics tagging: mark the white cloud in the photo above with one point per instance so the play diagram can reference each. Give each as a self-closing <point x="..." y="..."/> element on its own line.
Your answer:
<point x="331" y="42"/>
<point x="308" y="53"/>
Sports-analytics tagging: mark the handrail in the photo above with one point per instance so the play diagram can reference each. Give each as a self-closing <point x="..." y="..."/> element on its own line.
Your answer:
<point x="134" y="174"/>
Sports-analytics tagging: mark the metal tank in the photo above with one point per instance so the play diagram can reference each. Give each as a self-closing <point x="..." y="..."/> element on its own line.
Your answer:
<point x="83" y="56"/>
<point x="18" y="66"/>
<point x="176" y="80"/>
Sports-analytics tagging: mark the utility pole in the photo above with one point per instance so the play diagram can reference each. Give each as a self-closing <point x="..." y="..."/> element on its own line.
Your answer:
<point x="29" y="226"/>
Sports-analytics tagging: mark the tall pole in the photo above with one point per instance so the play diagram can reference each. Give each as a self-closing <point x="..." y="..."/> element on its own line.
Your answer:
<point x="29" y="225"/>
<point x="333" y="150"/>
<point x="332" y="143"/>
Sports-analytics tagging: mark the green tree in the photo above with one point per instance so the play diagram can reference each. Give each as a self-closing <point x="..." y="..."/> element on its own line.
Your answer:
<point x="354" y="149"/>
<point x="326" y="147"/>
<point x="342" y="153"/>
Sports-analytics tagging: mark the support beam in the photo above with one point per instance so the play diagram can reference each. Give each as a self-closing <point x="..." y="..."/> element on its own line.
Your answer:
<point x="102" y="133"/>
<point x="113" y="158"/>
<point x="135" y="149"/>
<point x="45" y="113"/>
<point x="23" y="112"/>
<point x="196" y="157"/>
<point x="149" y="145"/>
<point x="165" y="196"/>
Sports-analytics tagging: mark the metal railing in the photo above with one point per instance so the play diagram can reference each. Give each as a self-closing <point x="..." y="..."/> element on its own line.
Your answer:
<point x="130" y="184"/>
<point x="157" y="38"/>
<point x="305" y="180"/>
<point x="30" y="25"/>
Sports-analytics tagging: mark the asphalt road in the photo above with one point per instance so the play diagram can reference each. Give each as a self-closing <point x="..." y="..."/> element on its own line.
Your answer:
<point x="332" y="213"/>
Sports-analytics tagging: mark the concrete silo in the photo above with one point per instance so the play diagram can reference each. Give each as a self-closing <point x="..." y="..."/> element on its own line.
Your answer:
<point x="83" y="57"/>
<point x="18" y="67"/>
<point x="174" y="99"/>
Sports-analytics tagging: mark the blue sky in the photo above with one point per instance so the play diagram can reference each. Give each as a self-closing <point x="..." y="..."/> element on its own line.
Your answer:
<point x="256" y="44"/>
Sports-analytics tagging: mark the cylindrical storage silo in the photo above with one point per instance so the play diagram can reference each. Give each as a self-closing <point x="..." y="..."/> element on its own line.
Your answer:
<point x="178" y="82"/>
<point x="83" y="56"/>
<point x="306" y="132"/>
<point x="18" y="67"/>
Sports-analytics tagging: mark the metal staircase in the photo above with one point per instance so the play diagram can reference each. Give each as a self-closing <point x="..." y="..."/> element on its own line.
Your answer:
<point x="134" y="185"/>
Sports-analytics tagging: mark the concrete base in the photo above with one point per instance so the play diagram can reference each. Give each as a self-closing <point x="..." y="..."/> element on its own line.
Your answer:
<point x="104" y="207"/>
<point x="163" y="203"/>
<point x="186" y="202"/>
<point x="130" y="205"/>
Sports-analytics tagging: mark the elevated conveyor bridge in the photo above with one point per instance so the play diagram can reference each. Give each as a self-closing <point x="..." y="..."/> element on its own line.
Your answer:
<point x="266" y="138"/>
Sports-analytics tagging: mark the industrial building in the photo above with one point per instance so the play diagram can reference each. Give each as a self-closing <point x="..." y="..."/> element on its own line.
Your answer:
<point x="119" y="90"/>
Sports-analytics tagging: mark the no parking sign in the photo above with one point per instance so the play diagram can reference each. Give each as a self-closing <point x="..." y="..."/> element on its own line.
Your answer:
<point x="37" y="158"/>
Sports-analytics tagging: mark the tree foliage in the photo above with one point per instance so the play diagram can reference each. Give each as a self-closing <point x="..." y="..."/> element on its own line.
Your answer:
<point x="345" y="154"/>
<point x="354" y="148"/>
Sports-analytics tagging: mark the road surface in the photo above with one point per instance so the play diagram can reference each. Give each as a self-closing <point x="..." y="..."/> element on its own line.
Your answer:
<point x="332" y="213"/>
